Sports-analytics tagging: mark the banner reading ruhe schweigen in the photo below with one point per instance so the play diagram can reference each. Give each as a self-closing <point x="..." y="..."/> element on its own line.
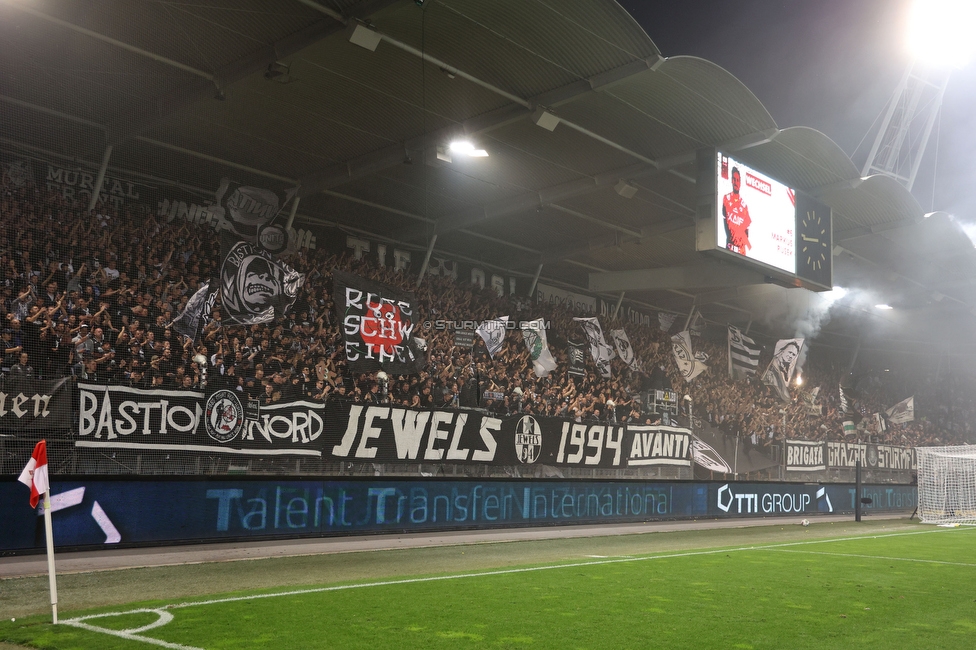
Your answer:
<point x="378" y="326"/>
<point x="177" y="420"/>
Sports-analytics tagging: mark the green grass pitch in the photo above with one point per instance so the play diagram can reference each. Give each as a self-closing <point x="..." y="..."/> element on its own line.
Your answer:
<point x="874" y="585"/>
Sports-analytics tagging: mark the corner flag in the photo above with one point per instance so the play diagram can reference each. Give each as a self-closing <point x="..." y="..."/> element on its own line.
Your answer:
<point x="34" y="475"/>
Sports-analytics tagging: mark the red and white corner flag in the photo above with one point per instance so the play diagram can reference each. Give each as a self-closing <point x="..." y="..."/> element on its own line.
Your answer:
<point x="34" y="475"/>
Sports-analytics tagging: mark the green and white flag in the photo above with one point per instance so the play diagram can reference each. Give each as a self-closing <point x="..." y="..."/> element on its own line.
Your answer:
<point x="534" y="333"/>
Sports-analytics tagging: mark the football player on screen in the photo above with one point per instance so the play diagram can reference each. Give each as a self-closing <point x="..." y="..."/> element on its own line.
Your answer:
<point x="737" y="219"/>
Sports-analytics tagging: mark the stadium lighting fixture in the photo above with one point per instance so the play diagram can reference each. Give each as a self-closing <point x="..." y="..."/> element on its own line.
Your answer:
<point x="883" y="306"/>
<point x="466" y="148"/>
<point x="941" y="31"/>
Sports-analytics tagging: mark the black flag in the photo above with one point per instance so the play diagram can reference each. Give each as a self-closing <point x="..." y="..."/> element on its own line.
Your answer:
<point x="378" y="326"/>
<point x="255" y="286"/>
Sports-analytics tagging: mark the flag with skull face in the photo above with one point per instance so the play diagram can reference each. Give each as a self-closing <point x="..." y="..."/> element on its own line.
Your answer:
<point x="255" y="286"/>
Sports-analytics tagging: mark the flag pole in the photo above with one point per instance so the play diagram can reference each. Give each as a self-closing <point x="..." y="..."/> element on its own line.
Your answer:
<point x="49" y="534"/>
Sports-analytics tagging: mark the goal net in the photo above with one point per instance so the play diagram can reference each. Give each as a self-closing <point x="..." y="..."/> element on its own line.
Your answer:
<point x="947" y="485"/>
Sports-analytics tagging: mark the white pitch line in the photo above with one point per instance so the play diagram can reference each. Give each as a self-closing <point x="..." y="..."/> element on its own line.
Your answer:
<point x="876" y="557"/>
<point x="78" y="622"/>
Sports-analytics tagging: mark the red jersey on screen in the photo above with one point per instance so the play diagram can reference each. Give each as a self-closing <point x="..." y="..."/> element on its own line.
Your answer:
<point x="737" y="222"/>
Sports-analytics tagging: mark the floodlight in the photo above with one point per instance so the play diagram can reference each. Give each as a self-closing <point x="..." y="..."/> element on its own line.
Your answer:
<point x="625" y="189"/>
<point x="466" y="148"/>
<point x="545" y="119"/>
<point x="365" y="37"/>
<point x="883" y="306"/>
<point x="941" y="31"/>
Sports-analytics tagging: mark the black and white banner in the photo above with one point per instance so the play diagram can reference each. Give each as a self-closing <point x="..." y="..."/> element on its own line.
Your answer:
<point x="197" y="310"/>
<point x="255" y="286"/>
<point x="577" y="359"/>
<point x="625" y="350"/>
<point x="665" y="320"/>
<point x="378" y="325"/>
<point x="393" y="434"/>
<point x="743" y="354"/>
<point x="492" y="332"/>
<point x="175" y="420"/>
<point x="779" y="374"/>
<point x="803" y="456"/>
<point x="32" y="405"/>
<point x="688" y="364"/>
<point x="601" y="352"/>
<point x="717" y="452"/>
<point x="248" y="211"/>
<point x="846" y="455"/>
<point x="902" y="412"/>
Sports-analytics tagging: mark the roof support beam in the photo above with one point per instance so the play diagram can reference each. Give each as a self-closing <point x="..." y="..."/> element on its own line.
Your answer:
<point x="715" y="274"/>
<point x="139" y="118"/>
<point x="111" y="41"/>
<point x="579" y="187"/>
<point x="393" y="155"/>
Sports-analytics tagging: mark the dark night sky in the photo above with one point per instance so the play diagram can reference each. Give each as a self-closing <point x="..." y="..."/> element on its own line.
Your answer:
<point x="826" y="64"/>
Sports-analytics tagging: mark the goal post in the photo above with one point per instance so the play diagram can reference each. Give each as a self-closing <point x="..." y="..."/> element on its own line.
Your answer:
<point x="947" y="485"/>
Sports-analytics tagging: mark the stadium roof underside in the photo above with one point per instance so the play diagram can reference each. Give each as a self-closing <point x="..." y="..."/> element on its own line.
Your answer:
<point x="350" y="100"/>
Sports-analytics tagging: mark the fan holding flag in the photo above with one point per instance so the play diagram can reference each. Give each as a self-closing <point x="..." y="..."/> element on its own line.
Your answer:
<point x="35" y="477"/>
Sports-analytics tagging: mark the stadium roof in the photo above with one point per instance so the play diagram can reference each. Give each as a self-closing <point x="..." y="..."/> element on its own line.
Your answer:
<point x="351" y="100"/>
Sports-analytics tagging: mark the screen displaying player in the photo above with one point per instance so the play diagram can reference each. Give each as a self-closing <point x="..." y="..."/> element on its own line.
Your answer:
<point x="756" y="215"/>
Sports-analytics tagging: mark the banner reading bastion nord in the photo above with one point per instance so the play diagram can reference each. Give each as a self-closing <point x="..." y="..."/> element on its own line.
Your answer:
<point x="126" y="418"/>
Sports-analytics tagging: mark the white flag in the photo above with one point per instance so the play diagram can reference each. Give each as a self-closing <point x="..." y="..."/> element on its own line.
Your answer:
<point x="534" y="333"/>
<point x="902" y="412"/>
<point x="624" y="349"/>
<point x="779" y="374"/>
<point x="743" y="354"/>
<point x="602" y="353"/>
<point x="665" y="320"/>
<point x="689" y="366"/>
<point x="493" y="334"/>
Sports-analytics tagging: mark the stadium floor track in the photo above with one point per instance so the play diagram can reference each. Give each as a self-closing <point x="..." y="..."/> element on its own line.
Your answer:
<point x="128" y="558"/>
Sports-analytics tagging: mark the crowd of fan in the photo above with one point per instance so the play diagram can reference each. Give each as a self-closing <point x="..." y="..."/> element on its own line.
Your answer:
<point x="92" y="296"/>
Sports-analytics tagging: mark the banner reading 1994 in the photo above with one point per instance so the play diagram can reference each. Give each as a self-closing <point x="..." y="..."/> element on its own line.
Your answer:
<point x="127" y="418"/>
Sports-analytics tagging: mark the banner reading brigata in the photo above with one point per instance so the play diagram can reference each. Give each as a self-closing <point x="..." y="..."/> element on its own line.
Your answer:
<point x="378" y="324"/>
<point x="179" y="420"/>
<point x="803" y="456"/>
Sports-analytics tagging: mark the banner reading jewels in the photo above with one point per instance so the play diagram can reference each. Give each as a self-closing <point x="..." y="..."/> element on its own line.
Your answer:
<point x="127" y="418"/>
<point x="31" y="405"/>
<point x="802" y="456"/>
<point x="392" y="434"/>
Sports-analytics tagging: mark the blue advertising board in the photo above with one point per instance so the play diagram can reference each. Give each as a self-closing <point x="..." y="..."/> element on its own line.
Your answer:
<point x="97" y="511"/>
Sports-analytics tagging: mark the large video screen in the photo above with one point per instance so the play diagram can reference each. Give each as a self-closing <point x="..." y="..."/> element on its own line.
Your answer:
<point x="755" y="215"/>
